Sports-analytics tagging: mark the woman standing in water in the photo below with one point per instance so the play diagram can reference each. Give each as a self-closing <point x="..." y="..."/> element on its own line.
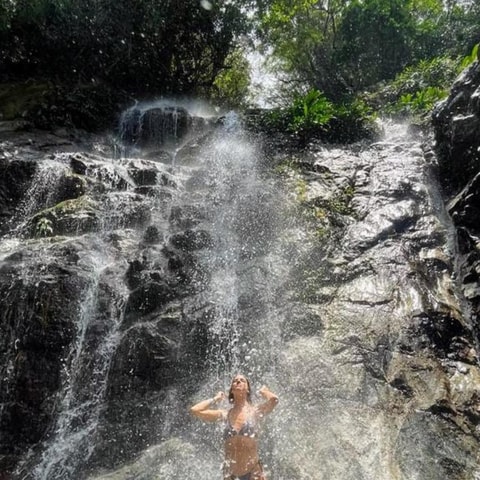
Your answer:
<point x="240" y="434"/>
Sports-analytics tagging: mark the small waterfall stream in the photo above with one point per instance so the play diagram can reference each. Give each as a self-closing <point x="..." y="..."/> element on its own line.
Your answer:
<point x="73" y="438"/>
<point x="319" y="273"/>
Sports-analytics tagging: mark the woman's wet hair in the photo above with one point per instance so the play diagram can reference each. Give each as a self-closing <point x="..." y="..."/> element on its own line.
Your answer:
<point x="249" y="394"/>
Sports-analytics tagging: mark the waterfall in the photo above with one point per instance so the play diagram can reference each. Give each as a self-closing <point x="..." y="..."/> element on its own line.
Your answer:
<point x="84" y="388"/>
<point x="192" y="253"/>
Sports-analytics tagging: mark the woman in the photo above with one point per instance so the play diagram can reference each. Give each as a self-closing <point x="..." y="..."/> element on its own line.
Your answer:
<point x="240" y="434"/>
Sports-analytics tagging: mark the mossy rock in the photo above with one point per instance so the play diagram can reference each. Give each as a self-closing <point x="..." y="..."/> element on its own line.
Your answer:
<point x="70" y="217"/>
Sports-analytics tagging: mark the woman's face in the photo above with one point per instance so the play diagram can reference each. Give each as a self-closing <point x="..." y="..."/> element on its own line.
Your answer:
<point x="240" y="384"/>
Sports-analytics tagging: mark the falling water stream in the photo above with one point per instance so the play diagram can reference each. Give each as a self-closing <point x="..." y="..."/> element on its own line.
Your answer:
<point x="322" y="318"/>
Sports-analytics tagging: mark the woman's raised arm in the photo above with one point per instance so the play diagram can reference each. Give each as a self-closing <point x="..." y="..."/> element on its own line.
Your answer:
<point x="204" y="410"/>
<point x="270" y="403"/>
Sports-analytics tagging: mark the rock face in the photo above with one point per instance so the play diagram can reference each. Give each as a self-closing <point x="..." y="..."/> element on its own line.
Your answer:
<point x="161" y="126"/>
<point x="457" y="130"/>
<point x="135" y="286"/>
<point x="457" y="134"/>
<point x="92" y="279"/>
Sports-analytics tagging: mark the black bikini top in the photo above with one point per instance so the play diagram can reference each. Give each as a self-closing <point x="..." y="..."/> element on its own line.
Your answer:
<point x="248" y="429"/>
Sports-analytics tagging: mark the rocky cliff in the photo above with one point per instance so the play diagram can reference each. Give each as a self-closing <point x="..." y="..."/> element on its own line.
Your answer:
<point x="137" y="276"/>
<point x="457" y="143"/>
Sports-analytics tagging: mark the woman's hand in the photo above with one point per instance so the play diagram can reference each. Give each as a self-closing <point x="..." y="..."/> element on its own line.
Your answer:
<point x="220" y="396"/>
<point x="270" y="403"/>
<point x="265" y="392"/>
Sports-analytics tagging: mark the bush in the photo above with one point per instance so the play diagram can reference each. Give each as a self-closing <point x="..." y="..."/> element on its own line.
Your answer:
<point x="309" y="114"/>
<point x="312" y="116"/>
<point x="416" y="90"/>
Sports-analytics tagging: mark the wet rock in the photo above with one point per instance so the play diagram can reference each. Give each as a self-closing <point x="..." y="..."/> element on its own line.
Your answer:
<point x="336" y="286"/>
<point x="191" y="240"/>
<point x="188" y="155"/>
<point x="159" y="459"/>
<point x="155" y="126"/>
<point x="155" y="191"/>
<point x="465" y="206"/>
<point x="36" y="331"/>
<point x="159" y="156"/>
<point x="457" y="125"/>
<point x="146" y="358"/>
<point x="145" y="176"/>
<point x="15" y="178"/>
<point x="147" y="298"/>
<point x="186" y="216"/>
<point x="465" y="128"/>
<point x="69" y="217"/>
<point x="152" y="235"/>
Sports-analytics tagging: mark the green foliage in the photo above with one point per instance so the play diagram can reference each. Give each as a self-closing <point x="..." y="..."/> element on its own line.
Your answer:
<point x="436" y="72"/>
<point x="421" y="101"/>
<point x="6" y="12"/>
<point x="374" y="40"/>
<point x="353" y="121"/>
<point x="303" y="36"/>
<point x="309" y="113"/>
<point x="342" y="48"/>
<point x="44" y="227"/>
<point x="420" y="87"/>
<point x="312" y="116"/>
<point x="469" y="59"/>
<point x="416" y="90"/>
<point x="232" y="82"/>
<point x="154" y="46"/>
<point x="17" y="98"/>
<point x="307" y="117"/>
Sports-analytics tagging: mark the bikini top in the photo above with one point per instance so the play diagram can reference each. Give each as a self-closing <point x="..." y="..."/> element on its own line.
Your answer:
<point x="248" y="429"/>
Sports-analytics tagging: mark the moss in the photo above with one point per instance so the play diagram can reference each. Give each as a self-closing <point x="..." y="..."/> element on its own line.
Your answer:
<point x="287" y="167"/>
<point x="301" y="187"/>
<point x="74" y="205"/>
<point x="70" y="216"/>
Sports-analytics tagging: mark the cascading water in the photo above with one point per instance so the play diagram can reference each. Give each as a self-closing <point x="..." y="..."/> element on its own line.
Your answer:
<point x="73" y="437"/>
<point x="85" y="366"/>
<point x="241" y="228"/>
<point x="243" y="206"/>
<point x="323" y="282"/>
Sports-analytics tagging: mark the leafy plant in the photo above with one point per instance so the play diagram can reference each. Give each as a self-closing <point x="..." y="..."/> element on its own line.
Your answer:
<point x="469" y="59"/>
<point x="313" y="116"/>
<point x="44" y="227"/>
<point x="310" y="112"/>
<point x="416" y="90"/>
<point x="231" y="84"/>
<point x="421" y="101"/>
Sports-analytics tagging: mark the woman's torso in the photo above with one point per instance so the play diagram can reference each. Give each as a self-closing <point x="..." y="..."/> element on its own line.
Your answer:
<point x="240" y="436"/>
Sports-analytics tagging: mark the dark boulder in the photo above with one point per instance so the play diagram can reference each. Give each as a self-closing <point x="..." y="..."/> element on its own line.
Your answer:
<point x="15" y="178"/>
<point x="147" y="298"/>
<point x="456" y="121"/>
<point x="37" y="328"/>
<point x="191" y="240"/>
<point x="155" y="127"/>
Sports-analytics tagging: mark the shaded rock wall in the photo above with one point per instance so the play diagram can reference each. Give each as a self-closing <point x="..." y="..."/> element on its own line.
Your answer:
<point x="457" y="135"/>
<point x="90" y="284"/>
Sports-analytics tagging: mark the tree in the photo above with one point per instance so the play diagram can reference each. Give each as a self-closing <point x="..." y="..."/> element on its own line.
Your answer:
<point x="375" y="40"/>
<point x="304" y="36"/>
<point x="342" y="47"/>
<point x="154" y="46"/>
